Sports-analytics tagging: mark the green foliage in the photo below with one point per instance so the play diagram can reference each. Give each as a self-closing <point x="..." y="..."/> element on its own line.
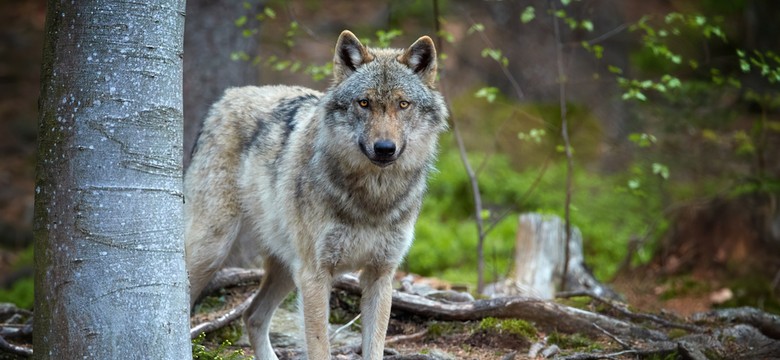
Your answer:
<point x="221" y="352"/>
<point x="605" y="211"/>
<point x="529" y="13"/>
<point x="21" y="292"/>
<point x="437" y="329"/>
<point x="496" y="55"/>
<point x="488" y="93"/>
<point x="517" y="327"/>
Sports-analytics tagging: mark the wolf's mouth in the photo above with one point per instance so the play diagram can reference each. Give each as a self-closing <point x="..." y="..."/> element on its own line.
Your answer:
<point x="382" y="162"/>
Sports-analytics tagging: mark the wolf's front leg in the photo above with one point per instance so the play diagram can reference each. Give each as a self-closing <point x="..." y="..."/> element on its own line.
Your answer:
<point x="377" y="284"/>
<point x="315" y="285"/>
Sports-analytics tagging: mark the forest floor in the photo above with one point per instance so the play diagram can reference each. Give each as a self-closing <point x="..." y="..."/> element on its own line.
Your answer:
<point x="417" y="335"/>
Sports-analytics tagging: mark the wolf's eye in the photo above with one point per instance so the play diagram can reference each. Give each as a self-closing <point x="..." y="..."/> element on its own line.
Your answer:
<point x="363" y="103"/>
<point x="403" y="104"/>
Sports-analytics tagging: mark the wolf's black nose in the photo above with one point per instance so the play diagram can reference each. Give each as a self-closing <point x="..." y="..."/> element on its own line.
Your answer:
<point x="384" y="148"/>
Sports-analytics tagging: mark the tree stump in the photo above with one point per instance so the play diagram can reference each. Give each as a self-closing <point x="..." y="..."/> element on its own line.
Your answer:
<point x="540" y="257"/>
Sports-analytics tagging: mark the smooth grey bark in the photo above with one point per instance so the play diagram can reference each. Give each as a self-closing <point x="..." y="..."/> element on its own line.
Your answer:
<point x="110" y="280"/>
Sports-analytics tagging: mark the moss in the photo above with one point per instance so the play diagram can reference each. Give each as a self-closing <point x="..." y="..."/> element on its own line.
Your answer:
<point x="684" y="285"/>
<point x="438" y="329"/>
<point x="674" y="355"/>
<point x="344" y="308"/>
<point x="574" y="341"/>
<point x="508" y="326"/>
<point x="221" y="352"/>
<point x="676" y="333"/>
<point x="579" y="302"/>
<point x="210" y="303"/>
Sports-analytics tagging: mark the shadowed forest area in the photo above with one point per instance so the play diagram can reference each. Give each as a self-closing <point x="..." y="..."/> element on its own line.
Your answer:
<point x="651" y="127"/>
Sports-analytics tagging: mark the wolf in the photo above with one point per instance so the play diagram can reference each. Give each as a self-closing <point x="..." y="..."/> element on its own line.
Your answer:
<point x="321" y="183"/>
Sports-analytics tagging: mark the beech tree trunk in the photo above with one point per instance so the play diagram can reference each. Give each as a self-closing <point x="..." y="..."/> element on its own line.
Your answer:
<point x="110" y="280"/>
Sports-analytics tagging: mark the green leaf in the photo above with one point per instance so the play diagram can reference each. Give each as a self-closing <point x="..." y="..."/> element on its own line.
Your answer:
<point x="744" y="65"/>
<point x="478" y="27"/>
<point x="240" y="21"/>
<point x="642" y="140"/>
<point x="269" y="12"/>
<point x="614" y="69"/>
<point x="587" y="25"/>
<point x="528" y="14"/>
<point x="485" y="214"/>
<point x="633" y="184"/>
<point x="661" y="169"/>
<point x="488" y="93"/>
<point x="565" y="2"/>
<point x="534" y="135"/>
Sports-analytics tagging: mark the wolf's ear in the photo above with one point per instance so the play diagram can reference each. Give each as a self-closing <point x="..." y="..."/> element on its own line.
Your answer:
<point x="421" y="58"/>
<point x="350" y="54"/>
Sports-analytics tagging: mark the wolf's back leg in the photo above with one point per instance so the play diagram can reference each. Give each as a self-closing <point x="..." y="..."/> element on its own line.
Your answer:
<point x="277" y="284"/>
<point x="208" y="243"/>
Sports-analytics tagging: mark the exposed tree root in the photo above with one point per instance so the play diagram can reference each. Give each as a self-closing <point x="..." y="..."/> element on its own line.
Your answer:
<point x="741" y="333"/>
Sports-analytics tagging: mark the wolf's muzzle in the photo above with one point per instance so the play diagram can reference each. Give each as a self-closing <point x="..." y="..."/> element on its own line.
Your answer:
<point x="383" y="152"/>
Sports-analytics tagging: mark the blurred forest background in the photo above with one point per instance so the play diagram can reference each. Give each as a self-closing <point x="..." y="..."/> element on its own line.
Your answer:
<point x="672" y="107"/>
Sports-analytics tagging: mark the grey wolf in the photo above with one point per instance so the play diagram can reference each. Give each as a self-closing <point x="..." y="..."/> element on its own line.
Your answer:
<point x="322" y="183"/>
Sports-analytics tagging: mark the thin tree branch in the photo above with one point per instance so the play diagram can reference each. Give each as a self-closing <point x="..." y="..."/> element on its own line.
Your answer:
<point x="507" y="74"/>
<point x="608" y="34"/>
<point x="613" y="337"/>
<point x="565" y="135"/>
<point x="469" y="171"/>
<point x="621" y="309"/>
<point x="224" y="319"/>
<point x="401" y="338"/>
<point x="340" y="329"/>
<point x="5" y="346"/>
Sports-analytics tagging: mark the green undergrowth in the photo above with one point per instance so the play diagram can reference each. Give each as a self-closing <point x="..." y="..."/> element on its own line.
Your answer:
<point x="222" y="352"/>
<point x="574" y="341"/>
<point x="603" y="208"/>
<point x="21" y="291"/>
<point x="516" y="327"/>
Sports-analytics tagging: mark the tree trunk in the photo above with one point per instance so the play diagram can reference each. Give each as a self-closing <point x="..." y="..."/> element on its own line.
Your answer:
<point x="110" y="280"/>
<point x="540" y="260"/>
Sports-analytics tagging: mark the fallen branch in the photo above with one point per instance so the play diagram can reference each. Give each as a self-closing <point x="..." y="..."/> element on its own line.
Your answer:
<point x="622" y="310"/>
<point x="401" y="338"/>
<point x="5" y="346"/>
<point x="222" y="320"/>
<point x="768" y="324"/>
<point x="228" y="277"/>
<point x="561" y="317"/>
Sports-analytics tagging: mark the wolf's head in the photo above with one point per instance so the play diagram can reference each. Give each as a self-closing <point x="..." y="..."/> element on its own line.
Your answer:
<point x="384" y="103"/>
